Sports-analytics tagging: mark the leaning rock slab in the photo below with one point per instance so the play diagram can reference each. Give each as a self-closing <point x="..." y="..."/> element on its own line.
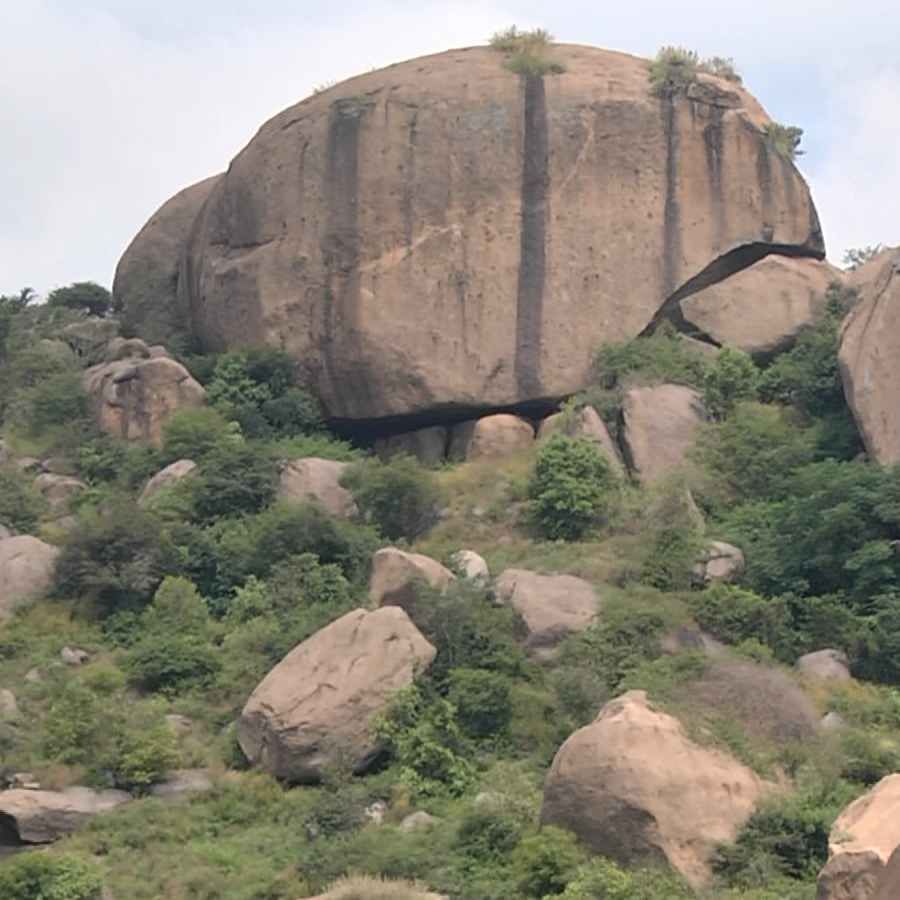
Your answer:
<point x="40" y="817"/>
<point x="862" y="840"/>
<point x="585" y="423"/>
<point x="870" y="356"/>
<point x="314" y="709"/>
<point x="313" y="480"/>
<point x="397" y="576"/>
<point x="660" y="426"/>
<point x="491" y="437"/>
<point x="636" y="789"/>
<point x="165" y="478"/>
<point x="26" y="571"/>
<point x="552" y="606"/>
<point x="133" y="398"/>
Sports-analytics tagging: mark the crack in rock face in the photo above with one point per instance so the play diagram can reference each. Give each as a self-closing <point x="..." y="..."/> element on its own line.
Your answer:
<point x="443" y="236"/>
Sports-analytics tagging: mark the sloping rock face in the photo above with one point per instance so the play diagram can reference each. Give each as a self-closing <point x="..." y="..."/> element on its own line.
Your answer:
<point x="888" y="887"/>
<point x="313" y="480"/>
<point x="26" y="571"/>
<point x="146" y="279"/>
<point x="314" y="709"/>
<point x="862" y="840"/>
<point x="444" y="233"/>
<point x="635" y="788"/>
<point x="870" y="355"/>
<point x="133" y="398"/>
<point x="40" y="817"/>
<point x="762" y="309"/>
<point x="164" y="478"/>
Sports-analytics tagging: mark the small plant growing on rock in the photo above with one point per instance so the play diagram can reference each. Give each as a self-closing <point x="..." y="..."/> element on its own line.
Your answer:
<point x="526" y="51"/>
<point x="859" y="256"/>
<point x="673" y="71"/>
<point x="721" y="67"/>
<point x="784" y="139"/>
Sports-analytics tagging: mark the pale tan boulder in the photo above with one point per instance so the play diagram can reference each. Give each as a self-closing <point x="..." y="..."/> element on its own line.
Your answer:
<point x="133" y="398"/>
<point x="552" y="606"/>
<point x="146" y="279"/>
<point x="762" y="309"/>
<point x="721" y="562"/>
<point x="471" y="566"/>
<point x="166" y="478"/>
<point x="9" y="707"/>
<point x="313" y="480"/>
<point x="825" y="665"/>
<point x="635" y="788"/>
<point x="27" y="567"/>
<point x="862" y="840"/>
<point x="870" y="356"/>
<point x="58" y="490"/>
<point x="491" y="437"/>
<point x="398" y="575"/>
<point x="427" y="445"/>
<point x="440" y="234"/>
<point x="364" y="887"/>
<point x="41" y="817"/>
<point x="660" y="427"/>
<point x="314" y="710"/>
<point x="583" y="423"/>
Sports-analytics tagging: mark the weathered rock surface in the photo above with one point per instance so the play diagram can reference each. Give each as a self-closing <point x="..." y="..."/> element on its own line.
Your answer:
<point x="146" y="279"/>
<point x="825" y="665"/>
<point x="552" y="606"/>
<point x="585" y="423"/>
<point x="660" y="425"/>
<point x="491" y="437"/>
<point x="888" y="885"/>
<point x="721" y="562"/>
<point x="762" y="309"/>
<point x="862" y="840"/>
<point x="313" y="480"/>
<point x="635" y="788"/>
<point x="40" y="817"/>
<point x="126" y="348"/>
<point x="427" y="445"/>
<point x="89" y="338"/>
<point x="870" y="355"/>
<point x="9" y="707"/>
<point x="58" y="490"/>
<point x="26" y="571"/>
<point x="182" y="783"/>
<point x="439" y="234"/>
<point x="164" y="478"/>
<point x="315" y="707"/>
<point x="397" y="575"/>
<point x="471" y="565"/>
<point x="133" y="398"/>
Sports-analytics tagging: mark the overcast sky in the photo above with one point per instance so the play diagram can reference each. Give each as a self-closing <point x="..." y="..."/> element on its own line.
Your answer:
<point x="108" y="107"/>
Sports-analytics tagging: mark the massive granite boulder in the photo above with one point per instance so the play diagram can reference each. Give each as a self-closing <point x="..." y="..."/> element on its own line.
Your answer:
<point x="444" y="233"/>
<point x="146" y="279"/>
<point x="870" y="355"/>
<point x="636" y="789"/>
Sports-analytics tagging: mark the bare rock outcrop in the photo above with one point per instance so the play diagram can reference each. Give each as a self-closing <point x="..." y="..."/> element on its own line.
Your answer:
<point x="635" y="788"/>
<point x="165" y="478"/>
<point x="762" y="309"/>
<point x="41" y="817"/>
<point x="133" y="398"/>
<point x="862" y="840"/>
<point x="26" y="571"/>
<point x="584" y="423"/>
<point x="552" y="606"/>
<point x="870" y="355"/>
<point x="660" y="426"/>
<point x="314" y="709"/>
<point x="720" y="562"/>
<point x="146" y="279"/>
<point x="397" y="576"/>
<point x="491" y="437"/>
<point x="313" y="480"/>
<point x="442" y="234"/>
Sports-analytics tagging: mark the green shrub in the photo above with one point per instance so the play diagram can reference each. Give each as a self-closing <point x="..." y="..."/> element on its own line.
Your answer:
<point x="673" y="71"/>
<point x="21" y="506"/>
<point x="41" y="876"/>
<point x="544" y="863"/>
<point x="784" y="139"/>
<point x="602" y="879"/>
<point x="674" y="541"/>
<point x="482" y="701"/>
<point x="569" y="488"/>
<point x="526" y="51"/>
<point x="89" y="296"/>
<point x="293" y="413"/>
<point x="721" y="67"/>
<point x="731" y="379"/>
<point x="856" y="257"/>
<point x="400" y="498"/>
<point x="192" y="433"/>
<point x="234" y="479"/>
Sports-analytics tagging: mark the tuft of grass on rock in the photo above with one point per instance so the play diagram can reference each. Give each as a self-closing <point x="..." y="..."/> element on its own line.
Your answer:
<point x="526" y="51"/>
<point x="784" y="139"/>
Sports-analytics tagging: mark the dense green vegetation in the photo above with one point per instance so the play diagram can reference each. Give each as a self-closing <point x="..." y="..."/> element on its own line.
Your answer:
<point x="185" y="603"/>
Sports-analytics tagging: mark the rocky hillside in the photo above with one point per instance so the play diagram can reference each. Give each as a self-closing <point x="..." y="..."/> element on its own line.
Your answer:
<point x="482" y="491"/>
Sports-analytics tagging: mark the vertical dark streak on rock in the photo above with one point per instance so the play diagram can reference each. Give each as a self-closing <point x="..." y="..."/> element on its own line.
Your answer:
<point x="714" y="144"/>
<point x="764" y="178"/>
<point x="532" y="246"/>
<point x="409" y="177"/>
<point x="671" y="211"/>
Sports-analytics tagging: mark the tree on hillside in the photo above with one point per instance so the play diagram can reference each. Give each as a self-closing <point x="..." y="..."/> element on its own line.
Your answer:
<point x="87" y="295"/>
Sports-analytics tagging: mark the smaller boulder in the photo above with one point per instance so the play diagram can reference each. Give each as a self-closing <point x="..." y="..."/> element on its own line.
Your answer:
<point x="73" y="656"/>
<point x="427" y="445"/>
<point x="313" y="480"/>
<point x="182" y="783"/>
<point x="832" y="722"/>
<point x="721" y="562"/>
<point x="825" y="665"/>
<point x="491" y="437"/>
<point x="58" y="490"/>
<point x="552" y="606"/>
<point x="41" y="817"/>
<point x="471" y="566"/>
<point x="418" y="821"/>
<point x="583" y="423"/>
<point x="397" y="575"/>
<point x="9" y="708"/>
<point x="26" y="571"/>
<point x="165" y="478"/>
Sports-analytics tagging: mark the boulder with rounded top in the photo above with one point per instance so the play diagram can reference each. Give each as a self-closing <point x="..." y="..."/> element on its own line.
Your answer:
<point x="471" y="565"/>
<point x="491" y="437"/>
<point x="825" y="665"/>
<point x="313" y="480"/>
<point x="27" y="566"/>
<point x="397" y="576"/>
<point x="166" y="478"/>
